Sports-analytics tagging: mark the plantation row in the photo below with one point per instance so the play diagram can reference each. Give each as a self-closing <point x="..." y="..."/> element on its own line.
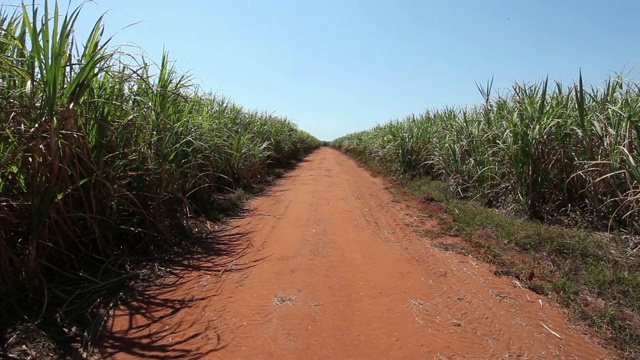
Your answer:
<point x="556" y="153"/>
<point x="105" y="156"/>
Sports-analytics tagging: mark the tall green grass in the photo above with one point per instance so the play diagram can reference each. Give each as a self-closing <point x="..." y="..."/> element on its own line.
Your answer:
<point x="104" y="156"/>
<point x="546" y="150"/>
<point x="565" y="155"/>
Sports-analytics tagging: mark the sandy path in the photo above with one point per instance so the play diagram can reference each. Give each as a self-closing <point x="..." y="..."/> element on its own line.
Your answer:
<point x="335" y="271"/>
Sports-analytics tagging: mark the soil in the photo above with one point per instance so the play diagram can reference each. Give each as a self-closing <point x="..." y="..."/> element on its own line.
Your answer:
<point x="335" y="268"/>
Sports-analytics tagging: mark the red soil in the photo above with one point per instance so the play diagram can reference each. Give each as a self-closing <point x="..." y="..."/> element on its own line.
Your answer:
<point x="336" y="270"/>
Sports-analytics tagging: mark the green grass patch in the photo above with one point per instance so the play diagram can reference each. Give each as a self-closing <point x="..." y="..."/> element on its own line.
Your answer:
<point x="596" y="275"/>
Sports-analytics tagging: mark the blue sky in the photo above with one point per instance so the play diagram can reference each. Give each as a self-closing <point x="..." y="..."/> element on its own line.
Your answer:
<point x="335" y="67"/>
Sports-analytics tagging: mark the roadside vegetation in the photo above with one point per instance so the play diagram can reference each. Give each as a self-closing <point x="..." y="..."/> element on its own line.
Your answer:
<point x="105" y="160"/>
<point x="541" y="180"/>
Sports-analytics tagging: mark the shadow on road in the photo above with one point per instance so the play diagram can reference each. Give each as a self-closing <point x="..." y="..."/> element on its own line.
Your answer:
<point x="172" y="319"/>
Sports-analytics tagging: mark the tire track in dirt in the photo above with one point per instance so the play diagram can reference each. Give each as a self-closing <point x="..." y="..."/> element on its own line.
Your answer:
<point x="340" y="273"/>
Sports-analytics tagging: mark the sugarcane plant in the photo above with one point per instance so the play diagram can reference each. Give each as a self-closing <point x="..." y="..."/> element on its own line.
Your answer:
<point x="104" y="158"/>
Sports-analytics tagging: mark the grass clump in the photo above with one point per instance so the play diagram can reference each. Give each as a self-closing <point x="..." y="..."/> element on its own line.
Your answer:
<point x="104" y="159"/>
<point x="547" y="151"/>
<point x="596" y="275"/>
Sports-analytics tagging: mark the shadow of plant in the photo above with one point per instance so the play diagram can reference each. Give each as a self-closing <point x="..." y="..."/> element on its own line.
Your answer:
<point x="173" y="319"/>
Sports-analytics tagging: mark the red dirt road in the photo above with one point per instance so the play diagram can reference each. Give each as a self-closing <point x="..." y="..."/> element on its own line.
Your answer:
<point x="336" y="270"/>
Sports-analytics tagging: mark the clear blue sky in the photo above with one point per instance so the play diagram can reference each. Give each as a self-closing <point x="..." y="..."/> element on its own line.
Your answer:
<point x="335" y="67"/>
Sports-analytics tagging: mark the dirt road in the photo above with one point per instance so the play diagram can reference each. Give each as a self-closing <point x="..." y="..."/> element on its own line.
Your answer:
<point x="335" y="270"/>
